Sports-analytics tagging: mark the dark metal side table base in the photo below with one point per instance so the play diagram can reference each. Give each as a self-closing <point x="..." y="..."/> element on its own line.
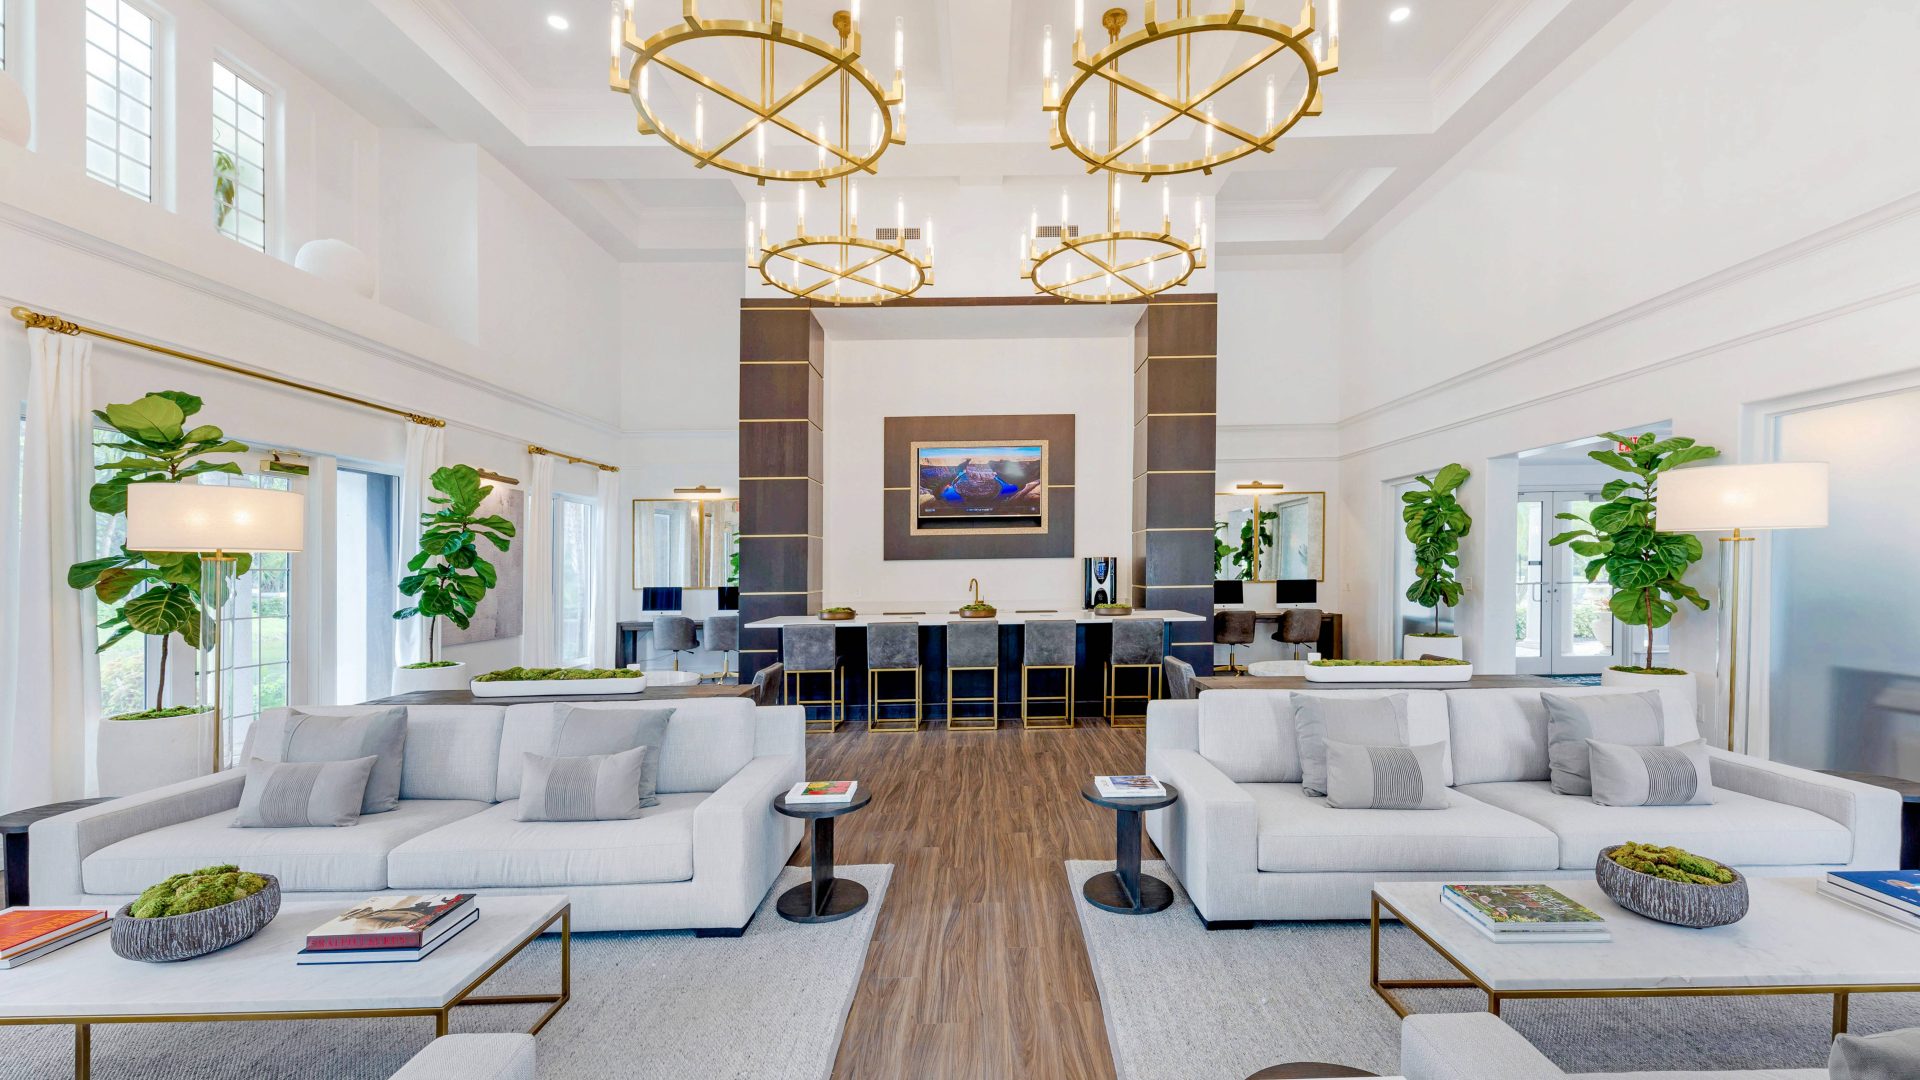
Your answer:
<point x="1108" y="892"/>
<point x="1124" y="890"/>
<point x="823" y="898"/>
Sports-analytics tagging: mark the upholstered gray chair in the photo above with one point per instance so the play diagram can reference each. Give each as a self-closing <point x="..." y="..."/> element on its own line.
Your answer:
<point x="1299" y="627"/>
<point x="768" y="684"/>
<point x="674" y="634"/>
<point x="1233" y="628"/>
<point x="722" y="633"/>
<point x="893" y="648"/>
<point x="809" y="649"/>
<point x="973" y="645"/>
<point x="1049" y="645"/>
<point x="1179" y="678"/>
<point x="1138" y="645"/>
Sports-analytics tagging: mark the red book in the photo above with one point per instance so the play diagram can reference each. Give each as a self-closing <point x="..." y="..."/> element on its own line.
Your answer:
<point x="390" y="922"/>
<point x="24" y="928"/>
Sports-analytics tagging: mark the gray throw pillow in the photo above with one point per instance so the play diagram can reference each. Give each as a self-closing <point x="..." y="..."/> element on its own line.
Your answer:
<point x="602" y="787"/>
<point x="579" y="732"/>
<point x="1385" y="777"/>
<point x="292" y="735"/>
<point x="1364" y="721"/>
<point x="1627" y="719"/>
<point x="300" y="794"/>
<point x="1650" y="775"/>
<point x="1889" y="1055"/>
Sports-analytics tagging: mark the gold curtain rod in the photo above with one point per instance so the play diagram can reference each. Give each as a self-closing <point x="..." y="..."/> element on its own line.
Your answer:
<point x="601" y="465"/>
<point x="35" y="319"/>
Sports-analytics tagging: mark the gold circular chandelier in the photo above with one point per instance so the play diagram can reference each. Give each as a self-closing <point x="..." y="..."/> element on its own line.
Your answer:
<point x="844" y="267"/>
<point x="1223" y="140"/>
<point x="743" y="150"/>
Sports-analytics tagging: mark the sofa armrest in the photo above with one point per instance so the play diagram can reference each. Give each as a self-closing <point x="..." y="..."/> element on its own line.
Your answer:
<point x="1209" y="836"/>
<point x="1173" y="724"/>
<point x="472" y="1057"/>
<point x="780" y="730"/>
<point x="740" y="843"/>
<point x="59" y="845"/>
<point x="1871" y="814"/>
<point x="1469" y="1046"/>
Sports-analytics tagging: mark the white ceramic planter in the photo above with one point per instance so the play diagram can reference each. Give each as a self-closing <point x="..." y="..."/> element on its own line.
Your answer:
<point x="1266" y="669"/>
<point x="559" y="687"/>
<point x="1680" y="687"/>
<point x="408" y="680"/>
<point x="136" y="755"/>
<point x="1413" y="647"/>
<point x="1390" y="673"/>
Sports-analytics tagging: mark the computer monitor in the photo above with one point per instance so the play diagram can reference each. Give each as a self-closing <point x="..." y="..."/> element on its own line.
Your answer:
<point x="659" y="598"/>
<point x="729" y="598"/>
<point x="1295" y="591"/>
<point x="1229" y="592"/>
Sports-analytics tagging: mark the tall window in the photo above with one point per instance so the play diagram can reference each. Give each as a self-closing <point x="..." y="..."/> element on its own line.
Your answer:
<point x="120" y="96"/>
<point x="239" y="158"/>
<point x="573" y="575"/>
<point x="124" y="668"/>
<point x="259" y="629"/>
<point x="365" y="510"/>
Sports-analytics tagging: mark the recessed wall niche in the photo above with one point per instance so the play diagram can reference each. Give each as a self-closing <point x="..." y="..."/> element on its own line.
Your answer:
<point x="1020" y="521"/>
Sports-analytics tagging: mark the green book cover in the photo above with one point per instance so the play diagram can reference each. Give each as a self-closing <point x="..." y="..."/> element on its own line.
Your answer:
<point x="1510" y="905"/>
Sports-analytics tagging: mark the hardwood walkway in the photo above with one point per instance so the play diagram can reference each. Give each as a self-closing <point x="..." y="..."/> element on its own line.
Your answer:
<point x="977" y="969"/>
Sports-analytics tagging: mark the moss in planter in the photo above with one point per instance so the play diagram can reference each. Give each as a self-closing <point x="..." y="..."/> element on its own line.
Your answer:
<point x="521" y="674"/>
<point x="196" y="890"/>
<point x="160" y="714"/>
<point x="425" y="664"/>
<point x="1671" y="863"/>
<point x="1389" y="663"/>
<point x="836" y="610"/>
<point x="1647" y="670"/>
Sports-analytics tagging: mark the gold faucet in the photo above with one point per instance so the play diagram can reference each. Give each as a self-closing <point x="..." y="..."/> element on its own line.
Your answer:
<point x="974" y="584"/>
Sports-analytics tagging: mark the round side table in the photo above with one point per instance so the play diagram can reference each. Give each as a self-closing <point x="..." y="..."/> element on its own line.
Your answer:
<point x="1124" y="889"/>
<point x="825" y="898"/>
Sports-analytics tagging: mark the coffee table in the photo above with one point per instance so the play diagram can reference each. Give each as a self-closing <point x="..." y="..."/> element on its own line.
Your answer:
<point x="1793" y="941"/>
<point x="86" y="984"/>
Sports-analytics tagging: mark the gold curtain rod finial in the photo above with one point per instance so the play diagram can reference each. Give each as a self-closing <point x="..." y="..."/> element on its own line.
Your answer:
<point x="533" y="448"/>
<point x="426" y="421"/>
<point x="36" y="321"/>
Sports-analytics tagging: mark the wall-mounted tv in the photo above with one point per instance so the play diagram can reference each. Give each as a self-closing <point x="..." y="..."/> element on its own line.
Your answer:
<point x="980" y="481"/>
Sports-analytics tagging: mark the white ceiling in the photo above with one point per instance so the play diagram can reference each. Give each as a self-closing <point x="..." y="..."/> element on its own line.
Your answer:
<point x="1407" y="97"/>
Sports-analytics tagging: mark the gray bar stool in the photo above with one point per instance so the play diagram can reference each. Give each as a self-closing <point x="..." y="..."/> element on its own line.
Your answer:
<point x="674" y="634"/>
<point x="1232" y="628"/>
<point x="1179" y="678"/>
<point x="973" y="645"/>
<point x="722" y="634"/>
<point x="1138" y="644"/>
<point x="892" y="648"/>
<point x="1049" y="645"/>
<point x="1299" y="626"/>
<point x="808" y="649"/>
<point x="767" y="684"/>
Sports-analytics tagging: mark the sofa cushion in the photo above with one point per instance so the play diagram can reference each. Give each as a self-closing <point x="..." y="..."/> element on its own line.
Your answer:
<point x="708" y="740"/>
<point x="1736" y="829"/>
<point x="299" y="794"/>
<point x="1650" y="775"/>
<point x="1385" y="777"/>
<point x="295" y="735"/>
<point x="1636" y="719"/>
<point x="1300" y="834"/>
<point x="565" y="729"/>
<point x="1249" y="734"/>
<point x="1501" y="734"/>
<point x="1356" y="721"/>
<point x="599" y="787"/>
<point x="305" y="860"/>
<point x="494" y="849"/>
<point x="452" y="751"/>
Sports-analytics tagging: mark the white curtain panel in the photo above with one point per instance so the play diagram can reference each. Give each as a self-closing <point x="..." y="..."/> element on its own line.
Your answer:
<point x="426" y="451"/>
<point x="316" y="573"/>
<point x="539" y="644"/>
<point x="604" y="595"/>
<point x="46" y="753"/>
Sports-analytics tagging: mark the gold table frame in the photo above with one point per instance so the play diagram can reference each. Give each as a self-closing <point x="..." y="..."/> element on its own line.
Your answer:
<point x="83" y="1025"/>
<point x="1386" y="987"/>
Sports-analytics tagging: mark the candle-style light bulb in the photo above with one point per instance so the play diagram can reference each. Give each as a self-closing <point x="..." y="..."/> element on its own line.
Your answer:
<point x="614" y="39"/>
<point x="853" y="205"/>
<point x="1046" y="55"/>
<point x="873" y="129"/>
<point x="1146" y="140"/>
<point x="899" y="43"/>
<point x="1020" y="253"/>
<point x="1166" y="204"/>
<point x="926" y="237"/>
<point x="1033" y="228"/>
<point x="1093" y="131"/>
<point x="1269" y="103"/>
<point x="1063" y="215"/>
<point x="1152" y="270"/>
<point x="820" y="141"/>
<point x="800" y="211"/>
<point x="1079" y="19"/>
<point x="699" y="121"/>
<point x="749" y="238"/>
<point x="1209" y="137"/>
<point x="763" y="216"/>
<point x="760" y="144"/>
<point x="1114" y="183"/>
<point x="644" y="68"/>
<point x="900" y="219"/>
<point x="1333" y="24"/>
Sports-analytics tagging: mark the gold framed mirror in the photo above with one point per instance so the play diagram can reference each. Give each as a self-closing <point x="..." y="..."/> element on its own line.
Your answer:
<point x="1266" y="533"/>
<point x="686" y="543"/>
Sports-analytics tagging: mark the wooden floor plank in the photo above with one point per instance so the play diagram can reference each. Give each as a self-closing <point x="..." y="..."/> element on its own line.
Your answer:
<point x="977" y="970"/>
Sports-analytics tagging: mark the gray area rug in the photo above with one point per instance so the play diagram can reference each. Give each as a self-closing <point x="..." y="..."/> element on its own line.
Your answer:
<point x="1184" y="1003"/>
<point x="768" y="1005"/>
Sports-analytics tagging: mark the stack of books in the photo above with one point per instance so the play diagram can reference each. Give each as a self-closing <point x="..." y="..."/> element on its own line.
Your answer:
<point x="1129" y="787"/>
<point x="390" y="929"/>
<point x="27" y="933"/>
<point x="1893" y="895"/>
<point x="822" y="792"/>
<point x="1525" y="913"/>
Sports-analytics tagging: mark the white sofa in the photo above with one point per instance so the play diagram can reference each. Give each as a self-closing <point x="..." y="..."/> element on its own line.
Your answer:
<point x="1478" y="1046"/>
<point x="472" y="1057"/>
<point x="703" y="859"/>
<point x="1248" y="845"/>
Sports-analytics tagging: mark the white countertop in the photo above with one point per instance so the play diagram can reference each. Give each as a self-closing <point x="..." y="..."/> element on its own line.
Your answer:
<point x="928" y="614"/>
<point x="259" y="975"/>
<point x="1791" y="936"/>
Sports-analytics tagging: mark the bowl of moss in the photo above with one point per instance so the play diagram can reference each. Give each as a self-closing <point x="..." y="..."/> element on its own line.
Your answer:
<point x="836" y="614"/>
<point x="978" y="610"/>
<point x="195" y="913"/>
<point x="1671" y="885"/>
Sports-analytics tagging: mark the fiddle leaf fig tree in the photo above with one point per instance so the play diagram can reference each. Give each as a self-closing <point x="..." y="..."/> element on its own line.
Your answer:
<point x="156" y="593"/>
<point x="1435" y="524"/>
<point x="448" y="575"/>
<point x="1621" y="536"/>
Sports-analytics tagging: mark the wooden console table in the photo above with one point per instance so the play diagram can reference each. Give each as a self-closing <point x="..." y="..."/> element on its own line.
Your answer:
<point x="1299" y="682"/>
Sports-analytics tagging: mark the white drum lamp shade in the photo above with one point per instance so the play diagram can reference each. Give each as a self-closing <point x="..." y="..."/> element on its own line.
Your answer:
<point x="200" y="517"/>
<point x="1781" y="495"/>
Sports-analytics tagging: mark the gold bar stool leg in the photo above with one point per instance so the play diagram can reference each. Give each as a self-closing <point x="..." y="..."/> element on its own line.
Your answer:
<point x="989" y="722"/>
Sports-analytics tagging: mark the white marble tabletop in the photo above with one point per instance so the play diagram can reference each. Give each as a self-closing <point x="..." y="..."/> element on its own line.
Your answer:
<point x="1792" y="936"/>
<point x="940" y="614"/>
<point x="259" y="975"/>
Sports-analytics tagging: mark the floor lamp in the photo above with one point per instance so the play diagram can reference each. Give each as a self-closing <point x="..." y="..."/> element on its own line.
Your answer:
<point x="215" y="522"/>
<point x="1740" y="499"/>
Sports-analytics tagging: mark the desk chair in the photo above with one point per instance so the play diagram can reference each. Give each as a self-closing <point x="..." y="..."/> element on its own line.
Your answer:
<point x="1299" y="627"/>
<point x="1233" y="628"/>
<point x="674" y="634"/>
<point x="722" y="634"/>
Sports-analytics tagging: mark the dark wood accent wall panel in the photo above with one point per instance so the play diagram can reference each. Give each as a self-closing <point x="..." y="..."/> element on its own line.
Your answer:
<point x="899" y="539"/>
<point x="782" y="370"/>
<point x="1174" y="396"/>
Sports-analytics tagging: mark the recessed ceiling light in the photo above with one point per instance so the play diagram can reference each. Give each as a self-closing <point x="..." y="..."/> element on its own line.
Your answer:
<point x="559" y="22"/>
<point x="1399" y="14"/>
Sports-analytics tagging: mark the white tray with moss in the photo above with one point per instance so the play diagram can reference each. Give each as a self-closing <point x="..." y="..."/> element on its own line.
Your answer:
<point x="1389" y="671"/>
<point x="558" y="682"/>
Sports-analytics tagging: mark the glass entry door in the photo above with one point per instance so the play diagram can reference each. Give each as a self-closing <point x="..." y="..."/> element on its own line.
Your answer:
<point x="1561" y="622"/>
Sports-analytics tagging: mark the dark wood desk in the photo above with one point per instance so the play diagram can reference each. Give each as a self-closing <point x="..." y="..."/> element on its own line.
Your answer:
<point x="1333" y="631"/>
<point x="652" y="693"/>
<point x="1299" y="682"/>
